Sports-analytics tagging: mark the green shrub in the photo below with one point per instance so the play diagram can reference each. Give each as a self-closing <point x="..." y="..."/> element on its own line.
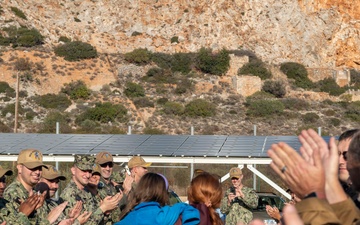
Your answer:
<point x="355" y="79"/>
<point x="135" y="33"/>
<point x="49" y="123"/>
<point x="4" y="41"/>
<point x="18" y="13"/>
<point x="256" y="68"/>
<point x="216" y="64"/>
<point x="76" y="90"/>
<point x="162" y="101"/>
<point x="138" y="56"/>
<point x="152" y="131"/>
<point x="64" y="39"/>
<point x="162" y="60"/>
<point x="173" y="108"/>
<point x="276" y="88"/>
<point x="75" y="51"/>
<point x="175" y="39"/>
<point x="52" y="101"/>
<point x="334" y="122"/>
<point x="264" y="108"/>
<point x="134" y="90"/>
<point x="10" y="108"/>
<point x="295" y="104"/>
<point x="23" y="37"/>
<point x="181" y="62"/>
<point x="30" y="115"/>
<point x="260" y="95"/>
<point x="297" y="72"/>
<point x="143" y="102"/>
<point x="160" y="76"/>
<point x="5" y="88"/>
<point x="353" y="111"/>
<point x="330" y="86"/>
<point x="200" y="108"/>
<point x="104" y="113"/>
<point x="183" y="86"/>
<point x="310" y="118"/>
<point x="243" y="52"/>
<point x="4" y="128"/>
<point x="154" y="71"/>
<point x="77" y="20"/>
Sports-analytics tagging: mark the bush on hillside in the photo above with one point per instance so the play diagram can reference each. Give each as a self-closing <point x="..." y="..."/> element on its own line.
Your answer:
<point x="22" y="64"/>
<point x="173" y="108"/>
<point x="5" y="87"/>
<point x="139" y="56"/>
<point x="75" y="51"/>
<point x="52" y="101"/>
<point x="200" y="108"/>
<point x="152" y="131"/>
<point x="213" y="63"/>
<point x="298" y="73"/>
<point x="276" y="88"/>
<point x="181" y="62"/>
<point x="23" y="37"/>
<point x="256" y="68"/>
<point x="104" y="113"/>
<point x="352" y="111"/>
<point x="259" y="95"/>
<point x="18" y="13"/>
<point x="310" y="118"/>
<point x="143" y="102"/>
<point x="64" y="39"/>
<point x="330" y="86"/>
<point x="264" y="108"/>
<point x="134" y="90"/>
<point x="162" y="60"/>
<point x="49" y="123"/>
<point x="295" y="104"/>
<point x="355" y="79"/>
<point x="76" y="90"/>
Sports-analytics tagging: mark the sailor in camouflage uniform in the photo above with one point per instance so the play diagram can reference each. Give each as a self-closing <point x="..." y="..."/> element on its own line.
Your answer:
<point x="20" y="191"/>
<point x="76" y="190"/>
<point x="106" y="186"/>
<point x="50" y="180"/>
<point x="238" y="200"/>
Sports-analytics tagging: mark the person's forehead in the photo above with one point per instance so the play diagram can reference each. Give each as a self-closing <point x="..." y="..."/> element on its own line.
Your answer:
<point x="343" y="145"/>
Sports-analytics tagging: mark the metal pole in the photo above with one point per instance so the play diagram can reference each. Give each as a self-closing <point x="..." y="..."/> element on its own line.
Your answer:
<point x="192" y="130"/>
<point x="254" y="179"/>
<point x="57" y="128"/>
<point x="16" y="102"/>
<point x="254" y="130"/>
<point x="319" y="131"/>
<point x="129" y="130"/>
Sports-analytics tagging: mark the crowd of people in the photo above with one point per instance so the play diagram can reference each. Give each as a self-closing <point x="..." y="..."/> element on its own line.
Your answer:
<point x="323" y="183"/>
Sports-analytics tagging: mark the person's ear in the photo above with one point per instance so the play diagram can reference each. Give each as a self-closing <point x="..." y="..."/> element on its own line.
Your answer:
<point x="73" y="170"/>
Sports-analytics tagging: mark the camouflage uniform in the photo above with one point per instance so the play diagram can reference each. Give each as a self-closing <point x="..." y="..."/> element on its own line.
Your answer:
<point x="50" y="204"/>
<point x="239" y="209"/>
<point x="108" y="190"/>
<point x="90" y="204"/>
<point x="15" y="193"/>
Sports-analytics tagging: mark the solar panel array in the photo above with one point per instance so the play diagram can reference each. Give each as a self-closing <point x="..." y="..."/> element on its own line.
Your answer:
<point x="146" y="145"/>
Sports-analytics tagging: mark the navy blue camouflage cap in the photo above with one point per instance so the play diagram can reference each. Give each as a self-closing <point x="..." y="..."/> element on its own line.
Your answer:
<point x="84" y="162"/>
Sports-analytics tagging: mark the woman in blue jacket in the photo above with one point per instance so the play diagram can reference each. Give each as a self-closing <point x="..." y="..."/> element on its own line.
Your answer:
<point x="148" y="205"/>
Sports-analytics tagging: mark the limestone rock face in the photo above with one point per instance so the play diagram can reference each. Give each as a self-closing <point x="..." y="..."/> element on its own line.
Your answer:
<point x="316" y="33"/>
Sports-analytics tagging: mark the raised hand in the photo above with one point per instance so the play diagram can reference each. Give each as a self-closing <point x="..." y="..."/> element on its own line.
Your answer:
<point x="56" y="212"/>
<point x="76" y="210"/>
<point x="28" y="206"/>
<point x="83" y="218"/>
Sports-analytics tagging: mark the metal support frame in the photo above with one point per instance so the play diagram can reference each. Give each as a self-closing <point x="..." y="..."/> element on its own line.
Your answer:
<point x="267" y="180"/>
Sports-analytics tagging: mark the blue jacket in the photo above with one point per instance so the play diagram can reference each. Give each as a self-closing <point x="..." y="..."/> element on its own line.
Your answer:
<point x="151" y="213"/>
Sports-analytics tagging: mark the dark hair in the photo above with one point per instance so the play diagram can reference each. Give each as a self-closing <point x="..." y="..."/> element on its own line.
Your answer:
<point x="206" y="189"/>
<point x="353" y="161"/>
<point x="151" y="188"/>
<point x="348" y="134"/>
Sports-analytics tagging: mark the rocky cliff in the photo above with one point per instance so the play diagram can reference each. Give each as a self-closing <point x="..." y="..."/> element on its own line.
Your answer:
<point x="317" y="33"/>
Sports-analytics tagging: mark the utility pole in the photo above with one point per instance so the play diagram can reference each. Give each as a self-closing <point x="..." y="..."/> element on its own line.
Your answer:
<point x="16" y="102"/>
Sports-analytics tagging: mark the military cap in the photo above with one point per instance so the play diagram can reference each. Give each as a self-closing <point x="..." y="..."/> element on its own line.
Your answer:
<point x="31" y="158"/>
<point x="96" y="169"/>
<point x="235" y="172"/>
<point x="52" y="173"/>
<point x="137" y="161"/>
<point x="103" y="157"/>
<point x="84" y="162"/>
<point x="5" y="172"/>
<point x="118" y="174"/>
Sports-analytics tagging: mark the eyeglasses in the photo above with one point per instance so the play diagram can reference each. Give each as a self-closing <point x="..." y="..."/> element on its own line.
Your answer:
<point x="104" y="165"/>
<point x="343" y="154"/>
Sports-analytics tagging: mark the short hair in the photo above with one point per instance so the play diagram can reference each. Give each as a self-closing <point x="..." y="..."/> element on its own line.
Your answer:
<point x="353" y="161"/>
<point x="349" y="134"/>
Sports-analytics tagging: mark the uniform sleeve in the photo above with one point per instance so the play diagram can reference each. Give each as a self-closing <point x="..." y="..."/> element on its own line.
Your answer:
<point x="316" y="211"/>
<point x="346" y="211"/>
<point x="224" y="207"/>
<point x="250" y="199"/>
